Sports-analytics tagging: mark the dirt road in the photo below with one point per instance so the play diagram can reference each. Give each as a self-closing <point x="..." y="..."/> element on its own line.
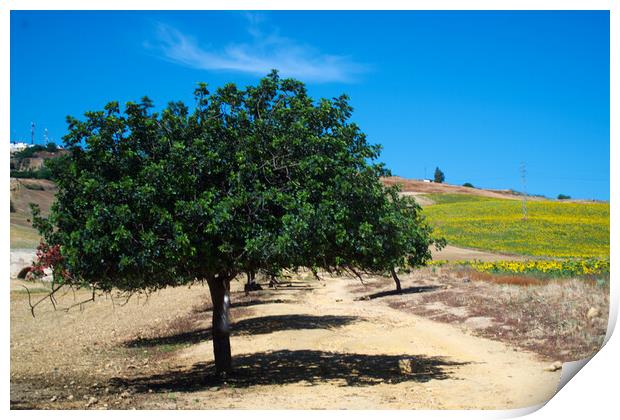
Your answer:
<point x="409" y="361"/>
<point x="454" y="253"/>
<point x="305" y="346"/>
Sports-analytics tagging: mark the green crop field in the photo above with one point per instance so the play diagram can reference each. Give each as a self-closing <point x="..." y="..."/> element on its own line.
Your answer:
<point x="552" y="229"/>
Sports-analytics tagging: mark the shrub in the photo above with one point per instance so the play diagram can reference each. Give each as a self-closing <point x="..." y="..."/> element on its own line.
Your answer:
<point x="23" y="174"/>
<point x="36" y="187"/>
<point x="41" y="173"/>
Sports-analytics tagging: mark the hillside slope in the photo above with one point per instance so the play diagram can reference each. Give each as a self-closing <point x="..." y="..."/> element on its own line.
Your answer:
<point x="415" y="187"/>
<point x="24" y="192"/>
<point x="551" y="229"/>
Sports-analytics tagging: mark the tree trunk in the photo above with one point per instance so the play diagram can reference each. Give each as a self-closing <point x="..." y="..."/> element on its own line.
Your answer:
<point x="220" y="297"/>
<point x="397" y="281"/>
<point x="251" y="284"/>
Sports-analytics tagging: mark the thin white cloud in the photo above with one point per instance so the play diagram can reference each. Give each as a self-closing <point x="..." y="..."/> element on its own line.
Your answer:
<point x="262" y="53"/>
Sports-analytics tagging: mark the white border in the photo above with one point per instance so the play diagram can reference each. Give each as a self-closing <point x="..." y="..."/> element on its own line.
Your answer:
<point x="309" y="5"/>
<point x="593" y="393"/>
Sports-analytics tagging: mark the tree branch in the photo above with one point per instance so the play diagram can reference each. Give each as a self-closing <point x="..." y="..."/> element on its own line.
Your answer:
<point x="47" y="296"/>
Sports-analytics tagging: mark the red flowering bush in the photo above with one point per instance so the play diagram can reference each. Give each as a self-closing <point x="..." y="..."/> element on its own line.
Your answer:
<point x="48" y="257"/>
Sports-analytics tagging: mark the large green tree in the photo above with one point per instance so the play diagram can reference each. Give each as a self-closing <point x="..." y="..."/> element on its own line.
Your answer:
<point x="262" y="178"/>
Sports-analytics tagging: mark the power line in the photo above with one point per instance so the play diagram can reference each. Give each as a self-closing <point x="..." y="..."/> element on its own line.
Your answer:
<point x="524" y="200"/>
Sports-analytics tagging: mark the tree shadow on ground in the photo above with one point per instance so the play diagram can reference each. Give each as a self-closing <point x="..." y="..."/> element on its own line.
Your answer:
<point x="259" y="325"/>
<point x="243" y="304"/>
<point x="405" y="291"/>
<point x="286" y="367"/>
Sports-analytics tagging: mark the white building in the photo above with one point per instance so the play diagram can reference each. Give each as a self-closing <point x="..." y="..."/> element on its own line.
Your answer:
<point x="17" y="147"/>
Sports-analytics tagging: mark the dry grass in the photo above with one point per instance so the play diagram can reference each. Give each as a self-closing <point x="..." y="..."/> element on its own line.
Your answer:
<point x="548" y="317"/>
<point x="23" y="237"/>
<point x="76" y="355"/>
<point x="515" y="280"/>
<point x="24" y="192"/>
<point x="413" y="185"/>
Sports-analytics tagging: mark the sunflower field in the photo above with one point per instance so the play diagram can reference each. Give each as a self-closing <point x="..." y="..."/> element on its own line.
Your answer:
<point x="556" y="267"/>
<point x="577" y="230"/>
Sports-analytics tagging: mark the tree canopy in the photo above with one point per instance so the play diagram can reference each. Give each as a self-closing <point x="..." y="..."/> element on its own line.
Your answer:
<point x="439" y="176"/>
<point x="261" y="178"/>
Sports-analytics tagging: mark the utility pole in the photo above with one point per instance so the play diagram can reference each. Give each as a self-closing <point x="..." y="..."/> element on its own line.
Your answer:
<point x="47" y="140"/>
<point x="524" y="193"/>
<point x="32" y="133"/>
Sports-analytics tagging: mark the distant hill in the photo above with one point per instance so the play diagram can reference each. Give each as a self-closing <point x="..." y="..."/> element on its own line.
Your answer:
<point x="30" y="162"/>
<point x="23" y="192"/>
<point x="415" y="187"/>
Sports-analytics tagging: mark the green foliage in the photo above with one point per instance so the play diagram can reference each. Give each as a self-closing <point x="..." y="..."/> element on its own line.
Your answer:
<point x="41" y="173"/>
<point x="456" y="198"/>
<point x="439" y="176"/>
<point x="51" y="147"/>
<point x="468" y="184"/>
<point x="44" y="171"/>
<point x="262" y="178"/>
<point x="28" y="152"/>
<point x="563" y="197"/>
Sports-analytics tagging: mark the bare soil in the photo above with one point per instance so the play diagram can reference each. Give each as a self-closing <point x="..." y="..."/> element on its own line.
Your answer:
<point x="454" y="253"/>
<point x="421" y="187"/>
<point x="545" y="316"/>
<point x="310" y="344"/>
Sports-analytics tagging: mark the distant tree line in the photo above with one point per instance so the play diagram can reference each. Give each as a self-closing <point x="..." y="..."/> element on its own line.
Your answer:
<point x="42" y="173"/>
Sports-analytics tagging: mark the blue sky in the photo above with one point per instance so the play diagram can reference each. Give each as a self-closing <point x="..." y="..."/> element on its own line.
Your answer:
<point x="475" y="93"/>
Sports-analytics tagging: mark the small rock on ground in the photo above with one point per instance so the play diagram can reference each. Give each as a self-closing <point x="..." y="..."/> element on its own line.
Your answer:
<point x="554" y="366"/>
<point x="593" y="313"/>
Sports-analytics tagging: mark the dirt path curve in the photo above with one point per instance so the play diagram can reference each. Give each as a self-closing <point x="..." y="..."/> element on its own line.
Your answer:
<point x="302" y="352"/>
<point x="454" y="253"/>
